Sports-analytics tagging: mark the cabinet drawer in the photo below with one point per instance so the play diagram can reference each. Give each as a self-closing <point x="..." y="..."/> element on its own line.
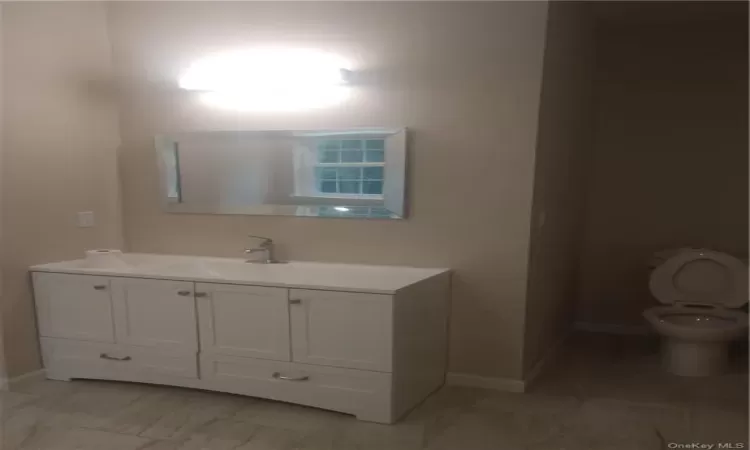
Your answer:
<point x="65" y="359"/>
<point x="362" y="393"/>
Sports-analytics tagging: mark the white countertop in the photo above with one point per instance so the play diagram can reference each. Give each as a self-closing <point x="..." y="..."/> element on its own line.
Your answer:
<point x="294" y="274"/>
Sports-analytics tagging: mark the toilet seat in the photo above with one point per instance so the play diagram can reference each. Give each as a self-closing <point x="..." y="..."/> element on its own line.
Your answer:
<point x="727" y="324"/>
<point x="701" y="277"/>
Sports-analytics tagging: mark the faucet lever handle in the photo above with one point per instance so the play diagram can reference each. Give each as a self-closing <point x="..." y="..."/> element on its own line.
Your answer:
<point x="266" y="239"/>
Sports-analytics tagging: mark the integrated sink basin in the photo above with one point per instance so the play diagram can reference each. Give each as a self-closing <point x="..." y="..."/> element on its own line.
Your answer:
<point x="299" y="274"/>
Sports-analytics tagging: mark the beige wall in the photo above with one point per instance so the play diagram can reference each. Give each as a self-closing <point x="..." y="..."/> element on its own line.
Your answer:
<point x="465" y="77"/>
<point x="670" y="153"/>
<point x="59" y="143"/>
<point x="562" y="156"/>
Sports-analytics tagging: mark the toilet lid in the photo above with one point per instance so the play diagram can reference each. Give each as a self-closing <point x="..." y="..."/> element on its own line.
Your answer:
<point x="701" y="276"/>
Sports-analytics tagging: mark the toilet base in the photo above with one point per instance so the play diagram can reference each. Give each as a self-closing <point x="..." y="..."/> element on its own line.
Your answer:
<point x="694" y="359"/>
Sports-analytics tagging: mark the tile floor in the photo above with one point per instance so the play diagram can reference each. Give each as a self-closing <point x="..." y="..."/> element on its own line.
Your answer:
<point x="607" y="393"/>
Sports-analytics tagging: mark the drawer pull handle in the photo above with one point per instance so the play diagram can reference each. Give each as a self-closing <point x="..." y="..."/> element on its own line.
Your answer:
<point x="183" y="293"/>
<point x="112" y="358"/>
<point x="201" y="294"/>
<point x="279" y="376"/>
<point x="295" y="301"/>
<point x="100" y="287"/>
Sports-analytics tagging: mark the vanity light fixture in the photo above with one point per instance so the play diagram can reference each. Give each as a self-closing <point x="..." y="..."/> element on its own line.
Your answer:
<point x="269" y="79"/>
<point x="341" y="208"/>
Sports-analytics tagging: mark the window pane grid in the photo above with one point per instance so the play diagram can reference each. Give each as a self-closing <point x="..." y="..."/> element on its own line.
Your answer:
<point x="363" y="186"/>
<point x="351" y="151"/>
<point x="350" y="166"/>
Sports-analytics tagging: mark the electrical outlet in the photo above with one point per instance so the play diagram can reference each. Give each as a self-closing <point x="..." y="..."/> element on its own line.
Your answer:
<point x="85" y="219"/>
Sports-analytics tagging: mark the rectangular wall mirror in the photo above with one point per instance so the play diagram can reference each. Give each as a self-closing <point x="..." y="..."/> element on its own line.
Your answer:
<point x="354" y="173"/>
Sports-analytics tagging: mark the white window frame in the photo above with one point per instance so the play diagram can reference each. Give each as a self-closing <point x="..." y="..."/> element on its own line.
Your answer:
<point x="308" y="182"/>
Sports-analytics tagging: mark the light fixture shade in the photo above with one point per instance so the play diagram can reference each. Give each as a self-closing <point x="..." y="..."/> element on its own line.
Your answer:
<point x="272" y="79"/>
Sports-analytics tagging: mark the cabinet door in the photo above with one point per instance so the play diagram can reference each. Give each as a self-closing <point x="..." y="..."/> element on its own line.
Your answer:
<point x="155" y="313"/>
<point x="74" y="306"/>
<point x="341" y="329"/>
<point x="248" y="321"/>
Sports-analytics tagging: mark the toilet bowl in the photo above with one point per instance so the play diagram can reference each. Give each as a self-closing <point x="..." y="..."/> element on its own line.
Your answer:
<point x="704" y="290"/>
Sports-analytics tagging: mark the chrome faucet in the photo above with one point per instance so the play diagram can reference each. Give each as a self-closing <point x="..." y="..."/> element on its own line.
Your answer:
<point x="265" y="246"/>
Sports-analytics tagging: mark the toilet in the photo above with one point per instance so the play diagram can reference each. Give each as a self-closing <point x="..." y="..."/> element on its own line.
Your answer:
<point x="703" y="291"/>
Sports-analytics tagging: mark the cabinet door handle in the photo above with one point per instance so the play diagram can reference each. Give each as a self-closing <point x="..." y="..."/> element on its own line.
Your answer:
<point x="100" y="287"/>
<point x="183" y="293"/>
<point x="201" y="294"/>
<point x="112" y="358"/>
<point x="295" y="301"/>
<point x="279" y="376"/>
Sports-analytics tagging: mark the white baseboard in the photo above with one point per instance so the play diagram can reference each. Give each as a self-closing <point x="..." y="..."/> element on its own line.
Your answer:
<point x="611" y="328"/>
<point x="509" y="384"/>
<point x="546" y="361"/>
<point x="497" y="384"/>
<point x="6" y="383"/>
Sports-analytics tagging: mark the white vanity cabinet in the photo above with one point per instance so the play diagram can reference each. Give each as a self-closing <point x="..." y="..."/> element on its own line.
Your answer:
<point x="375" y="353"/>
